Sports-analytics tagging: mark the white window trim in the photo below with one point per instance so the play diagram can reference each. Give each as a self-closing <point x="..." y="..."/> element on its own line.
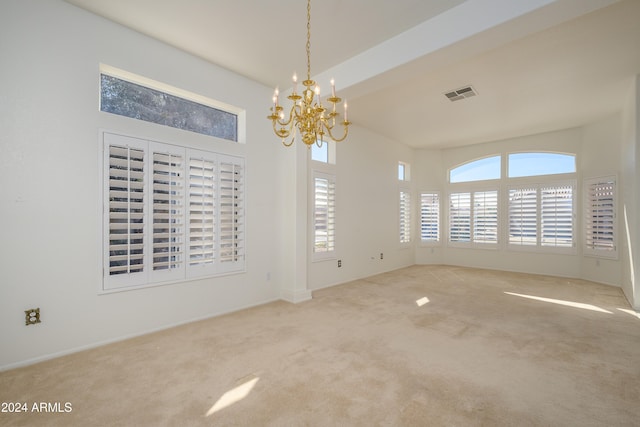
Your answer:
<point x="149" y="278"/>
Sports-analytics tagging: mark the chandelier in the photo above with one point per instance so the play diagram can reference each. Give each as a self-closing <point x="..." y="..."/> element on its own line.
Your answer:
<point x="307" y="115"/>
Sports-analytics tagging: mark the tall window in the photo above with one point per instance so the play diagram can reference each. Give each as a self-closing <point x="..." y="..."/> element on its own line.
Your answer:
<point x="600" y="217"/>
<point x="430" y="217"/>
<point x="473" y="217"/>
<point x="324" y="229"/>
<point x="542" y="216"/>
<point x="405" y="216"/>
<point x="403" y="171"/>
<point x="169" y="213"/>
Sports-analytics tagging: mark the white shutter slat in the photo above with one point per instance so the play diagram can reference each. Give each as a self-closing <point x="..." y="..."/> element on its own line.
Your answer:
<point x="600" y="217"/>
<point x="460" y="217"/>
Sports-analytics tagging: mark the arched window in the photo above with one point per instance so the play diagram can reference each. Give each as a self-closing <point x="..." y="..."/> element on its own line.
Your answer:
<point x="534" y="164"/>
<point x="476" y="170"/>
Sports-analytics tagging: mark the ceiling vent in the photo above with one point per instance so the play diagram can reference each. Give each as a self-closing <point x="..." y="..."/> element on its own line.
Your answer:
<point x="462" y="93"/>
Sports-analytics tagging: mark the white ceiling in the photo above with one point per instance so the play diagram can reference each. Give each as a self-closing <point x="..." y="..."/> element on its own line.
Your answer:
<point x="537" y="65"/>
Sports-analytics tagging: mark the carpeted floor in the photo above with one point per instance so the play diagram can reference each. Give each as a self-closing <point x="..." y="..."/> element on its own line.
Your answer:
<point x="420" y="346"/>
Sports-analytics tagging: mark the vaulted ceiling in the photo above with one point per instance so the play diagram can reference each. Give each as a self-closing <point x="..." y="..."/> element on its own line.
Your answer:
<point x="536" y="65"/>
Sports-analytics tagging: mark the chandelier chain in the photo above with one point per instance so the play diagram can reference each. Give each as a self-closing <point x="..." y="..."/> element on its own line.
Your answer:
<point x="308" y="39"/>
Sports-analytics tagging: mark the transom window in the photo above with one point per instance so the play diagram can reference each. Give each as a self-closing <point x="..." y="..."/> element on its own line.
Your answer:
<point x="534" y="164"/>
<point x="144" y="99"/>
<point x="477" y="170"/>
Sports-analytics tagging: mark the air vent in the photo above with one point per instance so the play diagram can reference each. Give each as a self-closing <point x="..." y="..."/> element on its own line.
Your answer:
<point x="462" y="93"/>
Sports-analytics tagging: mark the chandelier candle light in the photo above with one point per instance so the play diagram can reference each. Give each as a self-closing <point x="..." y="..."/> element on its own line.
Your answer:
<point x="307" y="115"/>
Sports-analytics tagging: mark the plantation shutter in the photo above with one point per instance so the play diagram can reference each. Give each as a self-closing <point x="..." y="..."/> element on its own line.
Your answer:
<point x="523" y="216"/>
<point x="231" y="212"/>
<point x="324" y="213"/>
<point x="556" y="210"/>
<point x="485" y="217"/>
<point x="430" y="217"/>
<point x="460" y="217"/>
<point x="202" y="217"/>
<point x="125" y="220"/>
<point x="600" y="217"/>
<point x="168" y="213"/>
<point x="405" y="217"/>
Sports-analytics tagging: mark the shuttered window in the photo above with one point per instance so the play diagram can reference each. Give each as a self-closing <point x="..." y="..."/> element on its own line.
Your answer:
<point x="125" y="210"/>
<point x="405" y="216"/>
<point x="556" y="210"/>
<point x="473" y="218"/>
<point x="600" y="217"/>
<point x="460" y="217"/>
<point x="430" y="217"/>
<point x="485" y="217"/>
<point x="231" y="213"/>
<point x="324" y="207"/>
<point x="523" y="216"/>
<point x="542" y="216"/>
<point x="170" y="213"/>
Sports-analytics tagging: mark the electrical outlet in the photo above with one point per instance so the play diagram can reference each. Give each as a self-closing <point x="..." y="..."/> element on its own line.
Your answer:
<point x="339" y="263"/>
<point x="32" y="316"/>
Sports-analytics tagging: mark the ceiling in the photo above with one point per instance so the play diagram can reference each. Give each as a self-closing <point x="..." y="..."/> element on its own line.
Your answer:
<point x="537" y="65"/>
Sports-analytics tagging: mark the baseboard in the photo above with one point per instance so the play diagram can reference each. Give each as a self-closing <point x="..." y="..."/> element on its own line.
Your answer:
<point x="296" y="297"/>
<point x="44" y="358"/>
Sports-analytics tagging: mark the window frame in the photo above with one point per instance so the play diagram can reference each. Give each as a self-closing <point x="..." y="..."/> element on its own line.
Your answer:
<point x="149" y="277"/>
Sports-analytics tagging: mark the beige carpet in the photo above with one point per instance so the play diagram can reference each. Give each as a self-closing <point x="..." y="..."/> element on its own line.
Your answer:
<point x="421" y="346"/>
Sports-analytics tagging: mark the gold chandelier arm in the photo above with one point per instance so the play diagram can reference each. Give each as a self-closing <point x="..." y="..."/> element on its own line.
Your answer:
<point x="346" y="131"/>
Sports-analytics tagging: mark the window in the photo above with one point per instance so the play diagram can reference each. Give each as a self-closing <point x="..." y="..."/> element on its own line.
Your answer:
<point x="534" y="164"/>
<point x="542" y="216"/>
<point x="324" y="215"/>
<point x="430" y="217"/>
<point x="477" y="170"/>
<point x="485" y="217"/>
<point x="403" y="171"/>
<point x="473" y="217"/>
<point x="170" y="213"/>
<point x="600" y="217"/>
<point x="142" y="102"/>
<point x="324" y="153"/>
<point x="405" y="216"/>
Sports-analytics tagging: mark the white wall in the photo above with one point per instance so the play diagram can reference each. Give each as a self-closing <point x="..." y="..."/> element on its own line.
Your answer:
<point x="51" y="244"/>
<point x="367" y="210"/>
<point x="630" y="154"/>
<point x="601" y="143"/>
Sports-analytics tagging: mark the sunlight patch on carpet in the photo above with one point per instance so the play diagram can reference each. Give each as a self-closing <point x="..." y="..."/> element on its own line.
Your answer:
<point x="631" y="312"/>
<point x="562" y="302"/>
<point x="422" y="301"/>
<point x="232" y="396"/>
